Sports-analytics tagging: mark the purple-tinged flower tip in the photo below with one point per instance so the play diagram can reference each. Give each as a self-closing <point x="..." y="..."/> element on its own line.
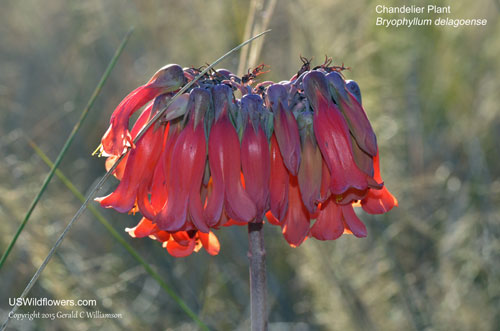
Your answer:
<point x="176" y="109"/>
<point x="199" y="104"/>
<point x="252" y="108"/>
<point x="223" y="100"/>
<point x="354" y="89"/>
<point x="169" y="78"/>
<point x="354" y="114"/>
<point x="316" y="88"/>
<point x="285" y="127"/>
<point x="337" y="86"/>
<point x="225" y="73"/>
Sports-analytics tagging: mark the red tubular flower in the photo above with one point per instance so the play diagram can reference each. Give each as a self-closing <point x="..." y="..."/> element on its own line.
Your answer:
<point x="140" y="166"/>
<point x="138" y="125"/>
<point x="378" y="201"/>
<point x="225" y="165"/>
<point x="285" y="127"/>
<point x="295" y="224"/>
<point x="158" y="186"/>
<point x="278" y="189"/>
<point x="354" y="114"/>
<point x="333" y="139"/>
<point x="255" y="157"/>
<point x="329" y="224"/>
<point x="187" y="170"/>
<point x="168" y="79"/>
<point x="311" y="164"/>
<point x="334" y="220"/>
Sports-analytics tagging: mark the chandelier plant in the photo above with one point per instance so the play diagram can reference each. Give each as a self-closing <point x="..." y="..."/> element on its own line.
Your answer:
<point x="300" y="154"/>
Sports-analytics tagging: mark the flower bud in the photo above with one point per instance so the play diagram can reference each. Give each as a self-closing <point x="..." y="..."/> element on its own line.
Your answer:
<point x="170" y="78"/>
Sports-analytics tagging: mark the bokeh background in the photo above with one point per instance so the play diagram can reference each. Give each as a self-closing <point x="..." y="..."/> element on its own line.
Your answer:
<point x="431" y="93"/>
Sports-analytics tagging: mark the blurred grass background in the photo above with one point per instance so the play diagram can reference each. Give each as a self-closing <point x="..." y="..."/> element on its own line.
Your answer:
<point x="431" y="94"/>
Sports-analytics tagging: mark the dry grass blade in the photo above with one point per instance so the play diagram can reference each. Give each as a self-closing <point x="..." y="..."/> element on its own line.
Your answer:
<point x="259" y="17"/>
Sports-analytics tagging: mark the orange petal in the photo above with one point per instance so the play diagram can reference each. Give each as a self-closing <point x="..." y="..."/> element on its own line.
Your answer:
<point x="378" y="201"/>
<point x="177" y="250"/>
<point x="144" y="229"/>
<point x="271" y="219"/>
<point x="210" y="242"/>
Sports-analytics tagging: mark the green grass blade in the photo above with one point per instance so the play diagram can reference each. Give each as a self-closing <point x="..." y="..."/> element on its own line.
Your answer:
<point x="68" y="142"/>
<point x="120" y="239"/>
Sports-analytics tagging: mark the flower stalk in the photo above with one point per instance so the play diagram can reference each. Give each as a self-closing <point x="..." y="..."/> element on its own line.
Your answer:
<point x="258" y="285"/>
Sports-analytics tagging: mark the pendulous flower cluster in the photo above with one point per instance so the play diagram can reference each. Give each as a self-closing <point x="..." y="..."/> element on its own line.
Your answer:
<point x="299" y="153"/>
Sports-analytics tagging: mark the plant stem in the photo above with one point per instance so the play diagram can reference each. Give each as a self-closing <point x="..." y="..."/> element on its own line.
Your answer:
<point x="258" y="288"/>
